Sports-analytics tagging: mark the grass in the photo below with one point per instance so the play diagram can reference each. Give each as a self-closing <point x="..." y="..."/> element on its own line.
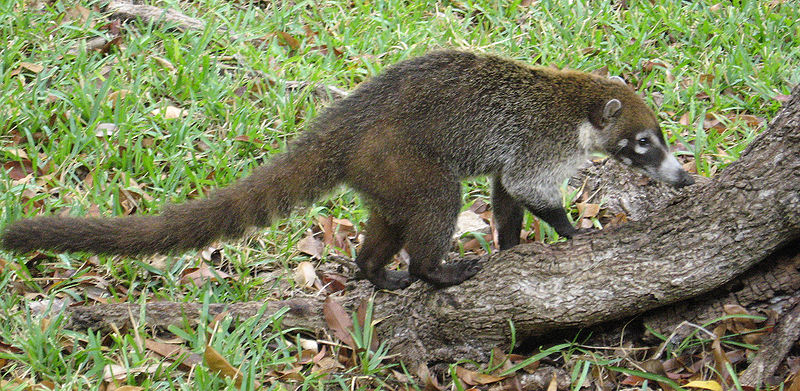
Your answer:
<point x="79" y="136"/>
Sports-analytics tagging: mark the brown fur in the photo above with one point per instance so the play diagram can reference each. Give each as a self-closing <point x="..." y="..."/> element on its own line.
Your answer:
<point x="404" y="140"/>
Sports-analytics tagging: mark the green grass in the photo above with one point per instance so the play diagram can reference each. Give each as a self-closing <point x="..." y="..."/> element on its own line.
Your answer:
<point x="230" y="80"/>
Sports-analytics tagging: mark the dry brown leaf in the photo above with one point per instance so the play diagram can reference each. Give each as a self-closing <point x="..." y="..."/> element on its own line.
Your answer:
<point x="339" y="321"/>
<point x="129" y="388"/>
<point x="219" y="364"/>
<point x="311" y="246"/>
<point x="587" y="209"/>
<point x="705" y="385"/>
<point x="650" y="65"/>
<point x="188" y="359"/>
<point x="305" y="275"/>
<point x="118" y="372"/>
<point x="326" y="223"/>
<point x="476" y="378"/>
<point x="35" y="68"/>
<point x="720" y="359"/>
<point x="286" y="39"/>
<point x="202" y="274"/>
<point x="750" y="120"/>
<point x="77" y="13"/>
<point x="795" y="385"/>
<point x="116" y="96"/>
<point x="431" y="384"/>
<point x="706" y="78"/>
<point x="334" y="282"/>
<point x="164" y="63"/>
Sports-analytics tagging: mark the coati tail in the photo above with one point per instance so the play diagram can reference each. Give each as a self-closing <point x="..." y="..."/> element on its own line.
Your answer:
<point x="270" y="191"/>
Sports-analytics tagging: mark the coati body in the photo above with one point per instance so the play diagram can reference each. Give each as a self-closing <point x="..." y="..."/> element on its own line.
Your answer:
<point x="404" y="140"/>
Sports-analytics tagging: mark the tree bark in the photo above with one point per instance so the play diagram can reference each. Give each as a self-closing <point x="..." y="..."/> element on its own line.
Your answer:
<point x="700" y="240"/>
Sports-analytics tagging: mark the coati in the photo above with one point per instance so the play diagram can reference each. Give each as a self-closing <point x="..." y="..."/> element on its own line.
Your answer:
<point x="404" y="140"/>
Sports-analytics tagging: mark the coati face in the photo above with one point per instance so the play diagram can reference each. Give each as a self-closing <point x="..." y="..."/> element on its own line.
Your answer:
<point x="638" y="142"/>
<point x="647" y="151"/>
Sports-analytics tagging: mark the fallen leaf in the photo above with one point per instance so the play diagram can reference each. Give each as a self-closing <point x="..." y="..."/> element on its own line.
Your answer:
<point x="105" y="129"/>
<point x="334" y="282"/>
<point x="115" y="96"/>
<point x="720" y="361"/>
<point x="186" y="358"/>
<point x="588" y="210"/>
<point x="35" y="68"/>
<point x="476" y="378"/>
<point x="650" y="65"/>
<point x="305" y="275"/>
<point x="431" y="384"/>
<point x="170" y="112"/>
<point x="77" y="13"/>
<point x="202" y="274"/>
<point x="704" y="384"/>
<point x="286" y="39"/>
<point x="340" y="323"/>
<point x="311" y="246"/>
<point x="164" y="63"/>
<point x="706" y="78"/>
<point x="361" y="315"/>
<point x="118" y="372"/>
<point x="219" y="364"/>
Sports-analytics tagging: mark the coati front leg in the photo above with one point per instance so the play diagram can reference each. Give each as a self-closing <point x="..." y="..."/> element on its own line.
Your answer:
<point x="541" y="196"/>
<point x="508" y="214"/>
<point x="556" y="216"/>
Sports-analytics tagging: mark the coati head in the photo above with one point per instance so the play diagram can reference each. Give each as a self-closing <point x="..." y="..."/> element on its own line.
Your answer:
<point x="633" y="136"/>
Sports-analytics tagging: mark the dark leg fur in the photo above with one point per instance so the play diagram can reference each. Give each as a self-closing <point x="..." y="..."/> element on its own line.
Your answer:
<point x="428" y="237"/>
<point x="382" y="241"/>
<point x="557" y="218"/>
<point x="508" y="214"/>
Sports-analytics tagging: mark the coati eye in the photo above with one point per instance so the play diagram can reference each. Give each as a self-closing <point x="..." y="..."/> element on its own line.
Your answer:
<point x="644" y="141"/>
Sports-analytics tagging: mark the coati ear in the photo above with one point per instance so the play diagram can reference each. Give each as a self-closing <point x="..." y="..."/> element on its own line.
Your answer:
<point x="617" y="79"/>
<point x="611" y="109"/>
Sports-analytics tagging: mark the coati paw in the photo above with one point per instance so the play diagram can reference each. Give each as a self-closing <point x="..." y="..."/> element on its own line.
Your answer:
<point x="391" y="279"/>
<point x="452" y="273"/>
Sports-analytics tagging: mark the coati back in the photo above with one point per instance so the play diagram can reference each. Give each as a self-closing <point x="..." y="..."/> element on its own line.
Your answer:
<point x="404" y="140"/>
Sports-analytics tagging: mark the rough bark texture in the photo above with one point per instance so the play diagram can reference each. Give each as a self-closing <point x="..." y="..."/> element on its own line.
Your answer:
<point x="692" y="244"/>
<point x="126" y="10"/>
<point x="774" y="349"/>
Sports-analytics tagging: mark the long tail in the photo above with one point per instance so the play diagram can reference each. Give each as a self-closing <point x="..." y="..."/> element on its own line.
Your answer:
<point x="294" y="177"/>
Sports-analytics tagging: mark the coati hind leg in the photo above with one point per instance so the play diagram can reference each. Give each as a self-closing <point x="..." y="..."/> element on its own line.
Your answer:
<point x="508" y="214"/>
<point x="382" y="241"/>
<point x="428" y="236"/>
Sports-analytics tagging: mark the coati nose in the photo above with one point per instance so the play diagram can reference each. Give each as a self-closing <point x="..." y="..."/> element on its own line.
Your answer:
<point x="685" y="180"/>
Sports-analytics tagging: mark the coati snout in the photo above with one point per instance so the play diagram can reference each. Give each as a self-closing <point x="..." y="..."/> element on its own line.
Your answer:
<point x="404" y="140"/>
